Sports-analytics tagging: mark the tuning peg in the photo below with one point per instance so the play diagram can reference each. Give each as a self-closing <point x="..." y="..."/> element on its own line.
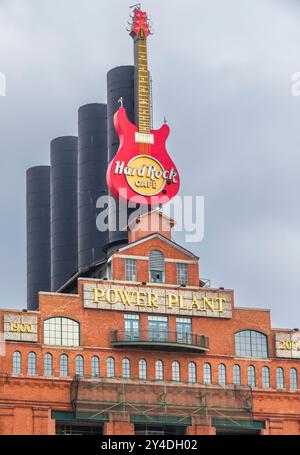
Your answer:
<point x="129" y="23"/>
<point x="128" y="29"/>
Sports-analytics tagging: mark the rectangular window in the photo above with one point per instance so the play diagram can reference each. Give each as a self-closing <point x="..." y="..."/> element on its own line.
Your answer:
<point x="130" y="269"/>
<point x="184" y="330"/>
<point x="158" y="328"/>
<point x="182" y="274"/>
<point x="132" y="327"/>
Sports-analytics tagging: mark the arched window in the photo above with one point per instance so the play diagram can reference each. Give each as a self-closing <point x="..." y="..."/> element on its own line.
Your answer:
<point x="64" y="365"/>
<point x="32" y="363"/>
<point x="251" y="344"/>
<point x="279" y="378"/>
<point x="157" y="267"/>
<point x="293" y="379"/>
<point x="48" y="362"/>
<point x="159" y="370"/>
<point x="110" y="367"/>
<point x="126" y="368"/>
<point x="251" y="376"/>
<point x="142" y="369"/>
<point x="265" y="372"/>
<point x="236" y="375"/>
<point x="192" y="372"/>
<point x="79" y="365"/>
<point x="222" y="374"/>
<point x="61" y="332"/>
<point x="17" y="362"/>
<point x="175" y="371"/>
<point x="95" y="366"/>
<point x="207" y="373"/>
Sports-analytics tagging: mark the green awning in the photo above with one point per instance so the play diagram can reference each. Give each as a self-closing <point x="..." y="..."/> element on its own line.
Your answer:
<point x="160" y="420"/>
<point x="238" y="424"/>
<point x="79" y="416"/>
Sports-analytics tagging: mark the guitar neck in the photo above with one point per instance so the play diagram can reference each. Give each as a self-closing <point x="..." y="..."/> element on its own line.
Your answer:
<point x="144" y="110"/>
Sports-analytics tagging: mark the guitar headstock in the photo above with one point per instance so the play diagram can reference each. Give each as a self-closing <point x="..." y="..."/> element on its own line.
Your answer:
<point x="140" y="26"/>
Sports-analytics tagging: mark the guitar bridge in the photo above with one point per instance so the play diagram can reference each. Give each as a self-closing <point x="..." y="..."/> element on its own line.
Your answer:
<point x="144" y="138"/>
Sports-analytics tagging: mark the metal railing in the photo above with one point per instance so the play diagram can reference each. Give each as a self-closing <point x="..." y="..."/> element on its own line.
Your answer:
<point x="160" y="337"/>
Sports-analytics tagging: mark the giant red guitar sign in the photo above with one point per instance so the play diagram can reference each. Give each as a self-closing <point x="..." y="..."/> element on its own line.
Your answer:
<point x="142" y="168"/>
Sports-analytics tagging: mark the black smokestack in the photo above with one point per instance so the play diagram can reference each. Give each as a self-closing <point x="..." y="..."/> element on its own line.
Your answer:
<point x="38" y="233"/>
<point x="64" y="216"/>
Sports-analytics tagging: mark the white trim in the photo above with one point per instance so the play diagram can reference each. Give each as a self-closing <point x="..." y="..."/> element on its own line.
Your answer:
<point x="12" y="310"/>
<point x="58" y="293"/>
<point x="146" y="258"/>
<point x="181" y="261"/>
<point x="128" y="256"/>
<point x="252" y="308"/>
<point x="139" y="283"/>
<point x="161" y="237"/>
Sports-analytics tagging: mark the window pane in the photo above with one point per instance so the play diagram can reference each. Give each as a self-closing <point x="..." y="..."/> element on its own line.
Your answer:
<point x="130" y="270"/>
<point x="157" y="267"/>
<point x="31" y="363"/>
<point x="61" y="332"/>
<point x="293" y="379"/>
<point x="251" y="376"/>
<point x="158" y="328"/>
<point x="48" y="364"/>
<point x="265" y="377"/>
<point x="175" y="371"/>
<point x="251" y="344"/>
<point x="192" y="372"/>
<point x="280" y="378"/>
<point x="132" y="327"/>
<point x="17" y="367"/>
<point x="182" y="274"/>
<point x="207" y="373"/>
<point x="110" y="367"/>
<point x="236" y="375"/>
<point x="222" y="374"/>
<point x="184" y="330"/>
<point x="64" y="368"/>
<point x="159" y="370"/>
<point x="142" y="369"/>
<point x="126" y="368"/>
<point x="95" y="367"/>
<point x="79" y="365"/>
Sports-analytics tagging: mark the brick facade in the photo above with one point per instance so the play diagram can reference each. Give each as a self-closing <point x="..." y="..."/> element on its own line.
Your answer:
<point x="30" y="402"/>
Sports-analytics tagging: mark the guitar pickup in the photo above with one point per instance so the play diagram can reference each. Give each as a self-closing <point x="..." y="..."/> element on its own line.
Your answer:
<point x="144" y="138"/>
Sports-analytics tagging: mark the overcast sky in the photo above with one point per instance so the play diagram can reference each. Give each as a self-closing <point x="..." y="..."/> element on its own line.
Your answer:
<point x="222" y="76"/>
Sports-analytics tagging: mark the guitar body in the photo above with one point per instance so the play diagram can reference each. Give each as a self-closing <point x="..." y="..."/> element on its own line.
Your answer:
<point x="142" y="169"/>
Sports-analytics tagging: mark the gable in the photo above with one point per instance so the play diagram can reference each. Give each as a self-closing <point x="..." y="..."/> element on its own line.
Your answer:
<point x="169" y="248"/>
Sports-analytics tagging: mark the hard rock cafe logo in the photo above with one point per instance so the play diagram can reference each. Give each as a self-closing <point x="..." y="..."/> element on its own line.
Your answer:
<point x="145" y="174"/>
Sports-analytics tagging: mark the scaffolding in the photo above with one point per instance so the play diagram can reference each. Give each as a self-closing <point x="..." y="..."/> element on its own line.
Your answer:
<point x="153" y="401"/>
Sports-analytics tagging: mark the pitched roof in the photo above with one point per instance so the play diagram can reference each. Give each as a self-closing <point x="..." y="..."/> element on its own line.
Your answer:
<point x="164" y="239"/>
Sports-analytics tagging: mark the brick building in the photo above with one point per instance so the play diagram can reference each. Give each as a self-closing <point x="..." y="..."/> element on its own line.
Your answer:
<point x="138" y="344"/>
